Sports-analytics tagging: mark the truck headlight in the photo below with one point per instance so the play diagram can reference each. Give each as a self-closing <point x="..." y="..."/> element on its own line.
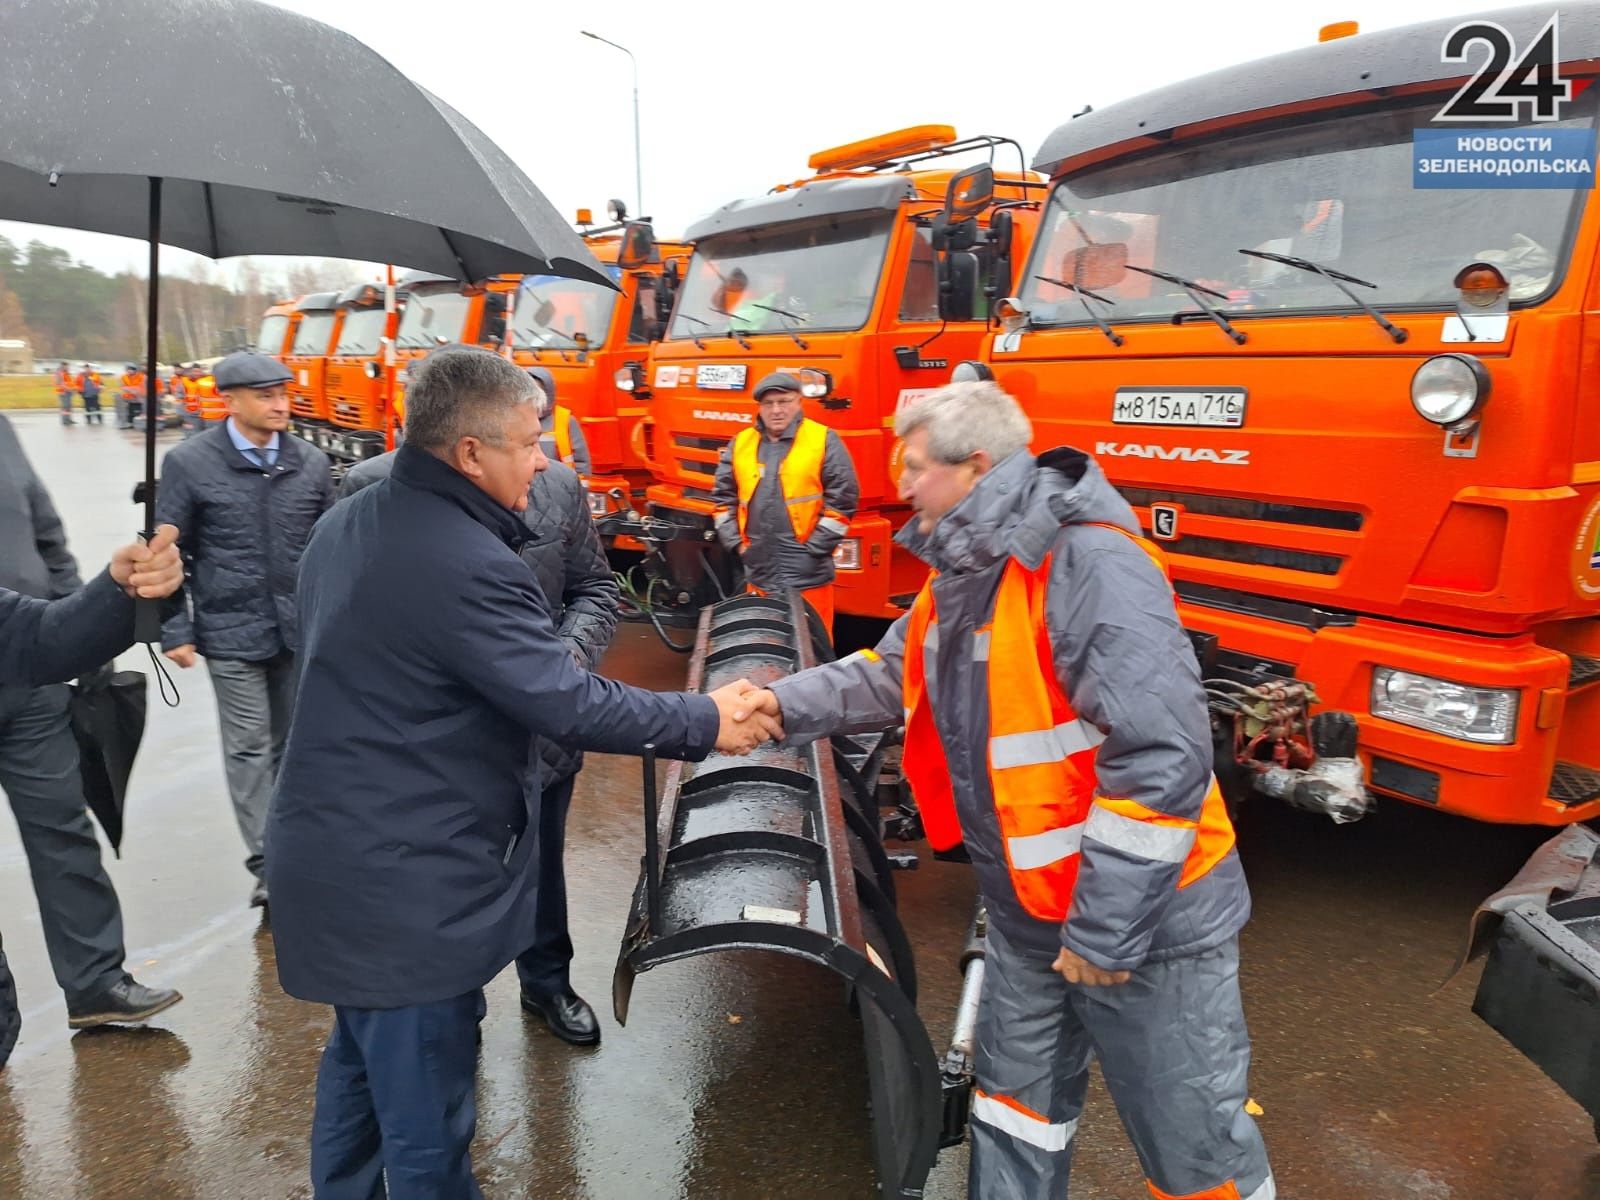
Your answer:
<point x="627" y="378"/>
<point x="597" y="504"/>
<point x="970" y="371"/>
<point x="847" y="555"/>
<point x="1473" y="714"/>
<point x="815" y="383"/>
<point x="1449" y="388"/>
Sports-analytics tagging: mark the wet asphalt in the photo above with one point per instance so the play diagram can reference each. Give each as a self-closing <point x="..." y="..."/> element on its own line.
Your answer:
<point x="741" y="1075"/>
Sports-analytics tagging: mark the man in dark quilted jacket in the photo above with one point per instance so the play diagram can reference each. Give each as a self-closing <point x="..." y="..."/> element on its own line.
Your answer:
<point x="245" y="493"/>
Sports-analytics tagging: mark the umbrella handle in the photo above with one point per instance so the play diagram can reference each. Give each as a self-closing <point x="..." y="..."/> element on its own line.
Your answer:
<point x="147" y="620"/>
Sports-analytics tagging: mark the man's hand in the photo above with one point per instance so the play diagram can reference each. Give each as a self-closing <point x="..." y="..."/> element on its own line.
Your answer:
<point x="150" y="571"/>
<point x="1081" y="971"/>
<point x="761" y="700"/>
<point x="745" y="725"/>
<point x="184" y="656"/>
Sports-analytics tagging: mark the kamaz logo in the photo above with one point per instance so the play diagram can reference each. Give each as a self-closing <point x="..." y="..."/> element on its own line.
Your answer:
<point x="1223" y="458"/>
<point x="712" y="414"/>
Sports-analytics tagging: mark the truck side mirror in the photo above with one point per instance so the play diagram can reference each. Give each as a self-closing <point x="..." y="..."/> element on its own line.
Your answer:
<point x="667" y="292"/>
<point x="638" y="246"/>
<point x="970" y="192"/>
<point x="999" y="237"/>
<point x="957" y="273"/>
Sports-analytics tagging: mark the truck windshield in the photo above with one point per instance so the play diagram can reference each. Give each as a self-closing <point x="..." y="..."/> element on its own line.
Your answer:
<point x="270" y="339"/>
<point x="362" y="331"/>
<point x="552" y="311"/>
<point x="1336" y="191"/>
<point x="816" y="275"/>
<point x="432" y="318"/>
<point x="312" y="336"/>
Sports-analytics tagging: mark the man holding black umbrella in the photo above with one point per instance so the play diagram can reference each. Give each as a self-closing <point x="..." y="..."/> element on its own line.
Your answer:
<point x="39" y="773"/>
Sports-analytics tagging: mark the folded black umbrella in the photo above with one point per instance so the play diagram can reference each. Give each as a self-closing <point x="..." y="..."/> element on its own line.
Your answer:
<point x="108" y="721"/>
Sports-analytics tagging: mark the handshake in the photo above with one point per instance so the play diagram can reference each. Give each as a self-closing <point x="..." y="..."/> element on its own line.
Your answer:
<point x="750" y="716"/>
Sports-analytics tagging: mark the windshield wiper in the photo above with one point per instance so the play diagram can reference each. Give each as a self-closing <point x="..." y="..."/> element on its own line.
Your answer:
<point x="1195" y="291"/>
<point x="783" y="312"/>
<point x="1338" y="279"/>
<point x="1100" y="322"/>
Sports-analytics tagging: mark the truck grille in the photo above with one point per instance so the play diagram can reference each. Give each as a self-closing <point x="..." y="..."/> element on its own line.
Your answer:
<point x="1582" y="671"/>
<point x="1247" y="509"/>
<point x="697" y="466"/>
<point x="1261" y="556"/>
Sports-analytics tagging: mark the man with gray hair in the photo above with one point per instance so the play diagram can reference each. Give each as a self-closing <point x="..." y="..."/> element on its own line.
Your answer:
<point x="1055" y="725"/>
<point x="399" y="851"/>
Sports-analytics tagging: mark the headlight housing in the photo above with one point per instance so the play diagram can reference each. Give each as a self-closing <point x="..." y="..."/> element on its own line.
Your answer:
<point x="847" y="555"/>
<point x="1448" y="389"/>
<point x="970" y="371"/>
<point x="1458" y="710"/>
<point x="597" y="504"/>
<point x="815" y="383"/>
<point x="628" y="378"/>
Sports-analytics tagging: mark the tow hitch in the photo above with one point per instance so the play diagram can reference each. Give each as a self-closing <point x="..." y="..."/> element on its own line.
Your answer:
<point x="1268" y="742"/>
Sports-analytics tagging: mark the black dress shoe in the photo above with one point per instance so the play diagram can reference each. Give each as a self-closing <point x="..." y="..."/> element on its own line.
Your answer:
<point x="568" y="1014"/>
<point x="258" y="895"/>
<point x="125" y="1003"/>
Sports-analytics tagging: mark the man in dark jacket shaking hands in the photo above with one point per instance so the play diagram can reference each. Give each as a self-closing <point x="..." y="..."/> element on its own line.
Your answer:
<point x="398" y="841"/>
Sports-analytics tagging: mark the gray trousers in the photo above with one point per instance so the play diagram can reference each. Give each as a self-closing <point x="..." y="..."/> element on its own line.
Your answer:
<point x="1172" y="1046"/>
<point x="255" y="701"/>
<point x="77" y="905"/>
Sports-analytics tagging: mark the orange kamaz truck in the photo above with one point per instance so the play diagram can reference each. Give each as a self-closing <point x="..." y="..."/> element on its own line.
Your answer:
<point x="1354" y="402"/>
<point x="278" y="326"/>
<point x="584" y="333"/>
<point x="867" y="279"/>
<point x="315" y="336"/>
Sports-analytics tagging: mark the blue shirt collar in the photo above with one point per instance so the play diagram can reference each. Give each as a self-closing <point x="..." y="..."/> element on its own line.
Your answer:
<point x="248" y="448"/>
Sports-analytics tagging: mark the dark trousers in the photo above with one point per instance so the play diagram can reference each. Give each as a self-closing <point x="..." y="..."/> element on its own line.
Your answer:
<point x="544" y="967"/>
<point x="77" y="905"/>
<point x="91" y="411"/>
<point x="396" y="1109"/>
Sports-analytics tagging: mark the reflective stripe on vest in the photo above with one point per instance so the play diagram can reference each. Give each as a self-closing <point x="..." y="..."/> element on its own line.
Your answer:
<point x="799" y="476"/>
<point x="1041" y="759"/>
<point x="563" y="436"/>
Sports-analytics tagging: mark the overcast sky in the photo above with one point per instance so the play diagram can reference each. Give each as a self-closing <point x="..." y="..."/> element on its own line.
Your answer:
<point x="735" y="98"/>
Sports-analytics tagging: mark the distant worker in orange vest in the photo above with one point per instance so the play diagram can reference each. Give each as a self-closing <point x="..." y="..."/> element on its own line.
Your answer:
<point x="1056" y="726"/>
<point x="561" y="433"/>
<point x="785" y="491"/>
<point x="130" y="395"/>
<point x="91" y="385"/>
<point x="66" y="386"/>
<point x="213" y="405"/>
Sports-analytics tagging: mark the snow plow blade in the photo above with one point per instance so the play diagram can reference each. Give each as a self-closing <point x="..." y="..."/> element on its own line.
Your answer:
<point x="781" y="851"/>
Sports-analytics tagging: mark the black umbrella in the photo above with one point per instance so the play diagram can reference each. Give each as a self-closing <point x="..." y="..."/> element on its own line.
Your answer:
<point x="108" y="714"/>
<point x="231" y="127"/>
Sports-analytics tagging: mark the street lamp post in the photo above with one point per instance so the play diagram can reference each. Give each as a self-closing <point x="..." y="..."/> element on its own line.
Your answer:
<point x="638" y="172"/>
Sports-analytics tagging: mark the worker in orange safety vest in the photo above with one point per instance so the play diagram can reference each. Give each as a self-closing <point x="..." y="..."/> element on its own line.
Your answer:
<point x="561" y="433"/>
<point x="1056" y="727"/>
<point x="785" y="491"/>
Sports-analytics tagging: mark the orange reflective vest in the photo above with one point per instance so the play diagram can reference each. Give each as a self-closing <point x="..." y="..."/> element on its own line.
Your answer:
<point x="132" y="383"/>
<point x="213" y="406"/>
<point x="799" y="477"/>
<point x="65" y="382"/>
<point x="1041" y="759"/>
<point x="562" y="432"/>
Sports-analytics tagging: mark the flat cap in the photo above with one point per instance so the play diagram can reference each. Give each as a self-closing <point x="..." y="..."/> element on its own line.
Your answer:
<point x="247" y="369"/>
<point x="778" y="381"/>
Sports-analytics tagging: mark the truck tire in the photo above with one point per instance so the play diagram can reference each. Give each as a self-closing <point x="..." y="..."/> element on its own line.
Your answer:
<point x="10" y="1014"/>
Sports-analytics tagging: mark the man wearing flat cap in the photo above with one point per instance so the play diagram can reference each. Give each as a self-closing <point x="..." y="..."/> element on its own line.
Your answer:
<point x="245" y="493"/>
<point x="785" y="492"/>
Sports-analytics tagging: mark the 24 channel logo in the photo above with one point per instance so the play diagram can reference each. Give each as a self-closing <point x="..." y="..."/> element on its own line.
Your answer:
<point x="1507" y="86"/>
<point x="1498" y="130"/>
